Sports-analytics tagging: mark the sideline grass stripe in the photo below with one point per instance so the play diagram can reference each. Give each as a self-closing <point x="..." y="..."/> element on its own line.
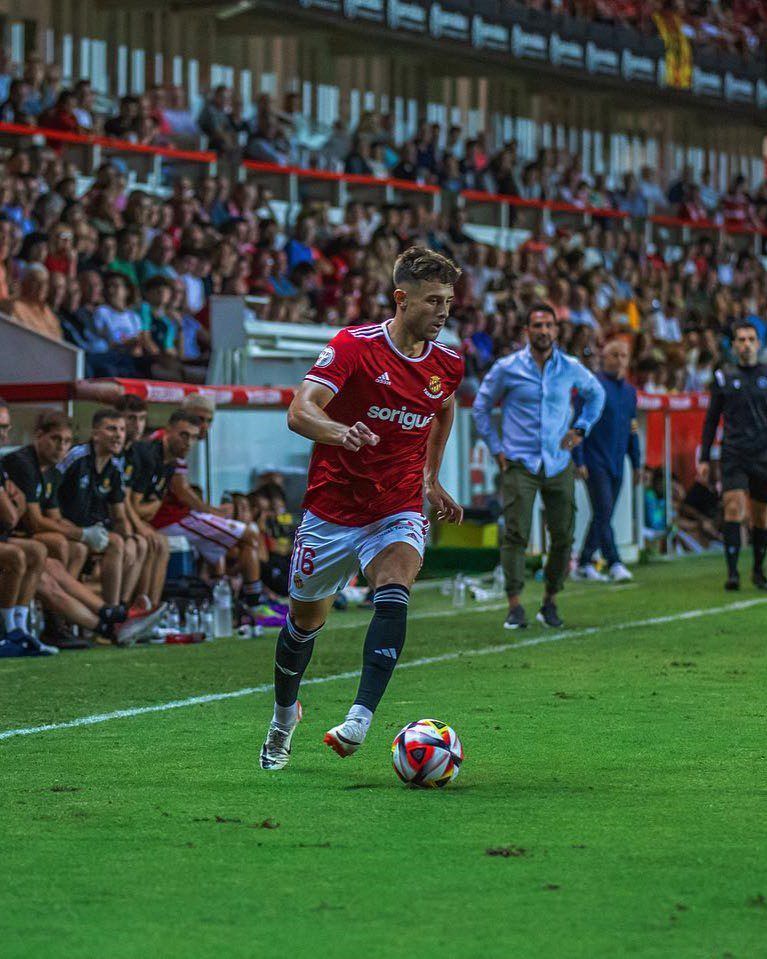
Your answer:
<point x="411" y="664"/>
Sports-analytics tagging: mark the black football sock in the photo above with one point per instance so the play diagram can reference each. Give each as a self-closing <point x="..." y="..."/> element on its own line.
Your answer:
<point x="760" y="548"/>
<point x="292" y="656"/>
<point x="383" y="644"/>
<point x="253" y="593"/>
<point x="732" y="547"/>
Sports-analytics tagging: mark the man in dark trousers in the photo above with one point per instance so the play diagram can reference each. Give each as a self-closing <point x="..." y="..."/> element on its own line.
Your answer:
<point x="535" y="386"/>
<point x="739" y="394"/>
<point x="600" y="461"/>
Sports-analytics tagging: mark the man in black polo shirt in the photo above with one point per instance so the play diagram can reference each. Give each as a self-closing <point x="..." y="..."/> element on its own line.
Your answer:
<point x="133" y="462"/>
<point x="91" y="492"/>
<point x="32" y="469"/>
<point x="157" y="460"/>
<point x="739" y="394"/>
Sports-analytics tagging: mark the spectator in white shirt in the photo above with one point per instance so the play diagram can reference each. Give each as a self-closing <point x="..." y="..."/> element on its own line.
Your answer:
<point x="665" y="327"/>
<point x="648" y="187"/>
<point x="85" y="98"/>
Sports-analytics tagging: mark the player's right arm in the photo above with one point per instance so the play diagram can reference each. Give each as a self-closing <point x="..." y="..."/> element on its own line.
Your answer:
<point x="307" y="417"/>
<point x="713" y="415"/>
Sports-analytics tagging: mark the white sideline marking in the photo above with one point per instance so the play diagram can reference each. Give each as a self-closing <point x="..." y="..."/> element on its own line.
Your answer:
<point x="410" y="664"/>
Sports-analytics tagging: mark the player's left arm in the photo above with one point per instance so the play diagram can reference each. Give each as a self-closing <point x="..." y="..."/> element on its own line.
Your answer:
<point x="445" y="505"/>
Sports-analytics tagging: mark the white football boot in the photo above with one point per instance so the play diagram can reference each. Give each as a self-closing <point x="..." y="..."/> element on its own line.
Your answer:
<point x="346" y="738"/>
<point x="619" y="573"/>
<point x="275" y="752"/>
<point x="588" y="574"/>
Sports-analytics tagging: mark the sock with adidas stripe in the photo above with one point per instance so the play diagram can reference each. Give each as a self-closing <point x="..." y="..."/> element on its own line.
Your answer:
<point x="383" y="644"/>
<point x="292" y="656"/>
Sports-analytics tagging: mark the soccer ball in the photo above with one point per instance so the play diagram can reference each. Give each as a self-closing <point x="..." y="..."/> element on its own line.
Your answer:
<point x="427" y="753"/>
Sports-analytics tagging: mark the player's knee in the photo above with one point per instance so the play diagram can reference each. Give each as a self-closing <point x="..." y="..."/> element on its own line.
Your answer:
<point x="54" y="567"/>
<point x="116" y="545"/>
<point x="142" y="548"/>
<point x="57" y="546"/>
<point x="307" y="620"/>
<point x="36" y="555"/>
<point x="129" y="552"/>
<point x="161" y="547"/>
<point x="14" y="561"/>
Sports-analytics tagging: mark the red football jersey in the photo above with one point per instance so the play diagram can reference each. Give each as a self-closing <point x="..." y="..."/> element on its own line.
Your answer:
<point x="397" y="397"/>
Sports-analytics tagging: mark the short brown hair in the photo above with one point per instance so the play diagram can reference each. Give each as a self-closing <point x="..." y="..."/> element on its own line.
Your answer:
<point x="130" y="403"/>
<point x="420" y="264"/>
<point x="50" y="420"/>
<point x="540" y="307"/>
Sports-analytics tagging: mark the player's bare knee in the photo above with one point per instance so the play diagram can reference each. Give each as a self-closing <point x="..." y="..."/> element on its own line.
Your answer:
<point x="36" y="554"/>
<point x="13" y="561"/>
<point x="54" y="568"/>
<point x="57" y="546"/>
<point x="116" y="545"/>
<point x="142" y="548"/>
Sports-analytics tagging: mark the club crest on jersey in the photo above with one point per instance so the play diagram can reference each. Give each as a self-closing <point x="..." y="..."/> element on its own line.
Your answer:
<point x="326" y="357"/>
<point x="434" y="389"/>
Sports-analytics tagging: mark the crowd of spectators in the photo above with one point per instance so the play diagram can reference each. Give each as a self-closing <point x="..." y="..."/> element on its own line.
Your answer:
<point x="734" y="26"/>
<point x="127" y="275"/>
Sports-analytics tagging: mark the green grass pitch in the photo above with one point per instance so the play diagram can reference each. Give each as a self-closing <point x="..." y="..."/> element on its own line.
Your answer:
<point x="612" y="802"/>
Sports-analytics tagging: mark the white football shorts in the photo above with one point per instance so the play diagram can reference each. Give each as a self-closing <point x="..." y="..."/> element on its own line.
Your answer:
<point x="326" y="557"/>
<point x="209" y="535"/>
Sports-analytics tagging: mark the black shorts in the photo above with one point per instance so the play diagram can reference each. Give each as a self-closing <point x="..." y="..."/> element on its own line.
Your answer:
<point x="740" y="473"/>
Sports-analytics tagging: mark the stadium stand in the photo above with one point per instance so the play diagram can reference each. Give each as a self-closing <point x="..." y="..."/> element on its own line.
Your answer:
<point x="127" y="227"/>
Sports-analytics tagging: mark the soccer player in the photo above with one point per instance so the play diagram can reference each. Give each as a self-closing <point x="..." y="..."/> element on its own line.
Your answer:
<point x="21" y="566"/>
<point x="739" y="394"/>
<point x="91" y="493"/>
<point x="378" y="404"/>
<point x="152" y="577"/>
<point x="33" y="470"/>
<point x="209" y="530"/>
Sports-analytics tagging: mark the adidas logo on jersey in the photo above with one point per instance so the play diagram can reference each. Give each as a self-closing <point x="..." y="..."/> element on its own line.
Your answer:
<point x="384" y="378"/>
<point x="403" y="416"/>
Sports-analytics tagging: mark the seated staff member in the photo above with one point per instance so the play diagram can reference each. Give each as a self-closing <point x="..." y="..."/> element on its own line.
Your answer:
<point x="91" y="492"/>
<point x="21" y="566"/>
<point x="33" y="470"/>
<point x="154" y="571"/>
<point x="166" y="499"/>
<point x="68" y="601"/>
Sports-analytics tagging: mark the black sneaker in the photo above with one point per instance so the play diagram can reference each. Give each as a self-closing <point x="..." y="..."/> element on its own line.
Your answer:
<point x="759" y="579"/>
<point x="733" y="583"/>
<point x="548" y="616"/>
<point x="516" y="618"/>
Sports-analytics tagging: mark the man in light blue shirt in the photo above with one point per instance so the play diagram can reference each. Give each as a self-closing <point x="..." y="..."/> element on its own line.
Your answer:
<point x="535" y="388"/>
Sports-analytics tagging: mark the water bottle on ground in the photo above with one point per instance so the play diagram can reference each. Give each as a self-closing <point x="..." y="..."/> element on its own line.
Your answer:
<point x="174" y="618"/>
<point x="499" y="584"/>
<point x="459" y="591"/>
<point x="222" y="605"/>
<point x="35" y="621"/>
<point x="191" y="618"/>
<point x="208" y="622"/>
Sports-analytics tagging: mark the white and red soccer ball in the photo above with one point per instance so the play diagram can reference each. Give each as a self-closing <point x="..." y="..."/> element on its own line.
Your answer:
<point x="427" y="753"/>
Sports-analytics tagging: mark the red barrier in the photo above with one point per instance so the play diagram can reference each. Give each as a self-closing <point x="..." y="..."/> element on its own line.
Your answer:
<point x="329" y="175"/>
<point x="121" y="146"/>
<point x="428" y="189"/>
<point x="153" y="391"/>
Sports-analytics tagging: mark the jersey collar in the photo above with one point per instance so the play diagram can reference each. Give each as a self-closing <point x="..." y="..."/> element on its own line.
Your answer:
<point x="410" y="359"/>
